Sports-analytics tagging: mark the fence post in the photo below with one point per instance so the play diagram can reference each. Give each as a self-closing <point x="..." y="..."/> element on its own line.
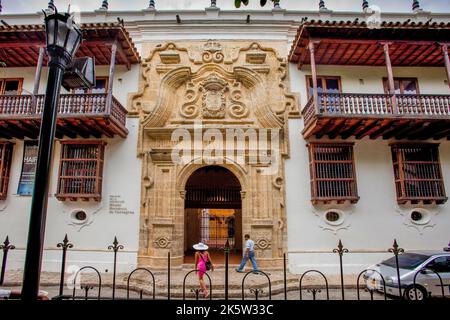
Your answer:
<point x="252" y="290"/>
<point x="168" y="275"/>
<point x="436" y="273"/>
<point x="196" y="291"/>
<point x="115" y="247"/>
<point x="227" y="255"/>
<point x="256" y="292"/>
<point x="64" y="245"/>
<point x="341" y="250"/>
<point x="142" y="291"/>
<point x="324" y="278"/>
<point x="6" y="246"/>
<point x="314" y="292"/>
<point x="370" y="291"/>
<point x="86" y="291"/>
<point x="192" y="289"/>
<point x="285" y="281"/>
<point x="84" y="287"/>
<point x="396" y="251"/>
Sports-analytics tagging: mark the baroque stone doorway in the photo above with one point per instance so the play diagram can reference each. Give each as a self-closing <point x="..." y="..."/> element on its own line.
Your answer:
<point x="213" y="213"/>
<point x="196" y="94"/>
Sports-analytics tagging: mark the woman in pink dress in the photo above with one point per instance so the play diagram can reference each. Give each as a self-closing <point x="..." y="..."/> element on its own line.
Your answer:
<point x="201" y="257"/>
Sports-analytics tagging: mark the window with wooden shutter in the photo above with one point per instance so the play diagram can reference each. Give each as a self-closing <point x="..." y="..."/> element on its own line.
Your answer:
<point x="332" y="171"/>
<point x="11" y="86"/>
<point x="101" y="86"/>
<point x="5" y="167"/>
<point x="417" y="172"/>
<point x="325" y="84"/>
<point x="402" y="85"/>
<point x="81" y="170"/>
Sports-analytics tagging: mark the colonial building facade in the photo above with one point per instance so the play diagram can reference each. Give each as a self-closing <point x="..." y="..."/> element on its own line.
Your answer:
<point x="299" y="128"/>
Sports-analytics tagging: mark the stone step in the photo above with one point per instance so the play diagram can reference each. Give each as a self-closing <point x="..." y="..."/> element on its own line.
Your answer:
<point x="218" y="293"/>
<point x="219" y="286"/>
<point x="236" y="293"/>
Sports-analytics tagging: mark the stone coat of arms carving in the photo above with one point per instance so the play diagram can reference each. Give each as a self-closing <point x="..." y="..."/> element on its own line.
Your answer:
<point x="213" y="97"/>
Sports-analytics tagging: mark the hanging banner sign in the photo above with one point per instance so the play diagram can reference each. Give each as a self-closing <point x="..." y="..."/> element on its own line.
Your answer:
<point x="26" y="183"/>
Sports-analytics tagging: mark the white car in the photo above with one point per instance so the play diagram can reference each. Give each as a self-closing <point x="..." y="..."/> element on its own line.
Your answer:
<point x="423" y="263"/>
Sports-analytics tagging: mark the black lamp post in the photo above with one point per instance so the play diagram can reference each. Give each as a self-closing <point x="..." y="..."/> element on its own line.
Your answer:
<point x="63" y="40"/>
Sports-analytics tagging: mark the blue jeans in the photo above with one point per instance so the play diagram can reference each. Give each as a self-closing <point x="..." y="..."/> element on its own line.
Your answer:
<point x="245" y="259"/>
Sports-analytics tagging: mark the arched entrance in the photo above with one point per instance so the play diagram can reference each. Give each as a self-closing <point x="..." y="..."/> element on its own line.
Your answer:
<point x="213" y="212"/>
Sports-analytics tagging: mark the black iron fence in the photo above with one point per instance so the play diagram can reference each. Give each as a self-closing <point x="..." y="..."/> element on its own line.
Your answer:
<point x="6" y="246"/>
<point x="374" y="281"/>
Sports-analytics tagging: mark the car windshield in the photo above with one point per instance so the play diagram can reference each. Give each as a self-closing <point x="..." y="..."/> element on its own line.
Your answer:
<point x="407" y="261"/>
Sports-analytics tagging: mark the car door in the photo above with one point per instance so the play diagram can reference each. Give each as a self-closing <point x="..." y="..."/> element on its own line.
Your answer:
<point x="440" y="265"/>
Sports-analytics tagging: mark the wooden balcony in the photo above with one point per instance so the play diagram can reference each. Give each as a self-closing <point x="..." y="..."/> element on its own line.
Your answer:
<point x="414" y="117"/>
<point x="79" y="115"/>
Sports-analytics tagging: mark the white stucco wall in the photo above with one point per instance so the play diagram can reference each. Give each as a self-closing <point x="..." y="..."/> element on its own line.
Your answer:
<point x="91" y="239"/>
<point x="371" y="225"/>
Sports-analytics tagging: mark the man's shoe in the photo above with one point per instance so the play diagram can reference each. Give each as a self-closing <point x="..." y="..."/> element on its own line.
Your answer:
<point x="237" y="270"/>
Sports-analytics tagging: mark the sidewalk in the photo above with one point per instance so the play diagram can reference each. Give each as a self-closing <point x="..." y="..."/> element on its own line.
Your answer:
<point x="141" y="281"/>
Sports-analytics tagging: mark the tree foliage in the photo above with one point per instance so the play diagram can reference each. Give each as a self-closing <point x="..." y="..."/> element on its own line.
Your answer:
<point x="238" y="3"/>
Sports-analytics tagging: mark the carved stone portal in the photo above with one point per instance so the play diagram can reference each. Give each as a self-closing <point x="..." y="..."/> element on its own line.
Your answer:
<point x="220" y="86"/>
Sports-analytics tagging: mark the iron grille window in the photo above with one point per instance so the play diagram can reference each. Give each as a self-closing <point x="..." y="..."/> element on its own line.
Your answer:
<point x="5" y="167"/>
<point x="213" y="197"/>
<point x="81" y="170"/>
<point x="418" y="175"/>
<point x="332" y="171"/>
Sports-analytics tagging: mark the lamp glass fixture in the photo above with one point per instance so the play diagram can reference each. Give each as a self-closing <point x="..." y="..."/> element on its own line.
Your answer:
<point x="63" y="33"/>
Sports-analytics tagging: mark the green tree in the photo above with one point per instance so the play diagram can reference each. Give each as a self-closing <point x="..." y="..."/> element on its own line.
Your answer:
<point x="237" y="3"/>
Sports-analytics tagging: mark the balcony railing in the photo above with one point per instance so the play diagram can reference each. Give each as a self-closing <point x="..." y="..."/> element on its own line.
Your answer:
<point x="376" y="105"/>
<point x="85" y="105"/>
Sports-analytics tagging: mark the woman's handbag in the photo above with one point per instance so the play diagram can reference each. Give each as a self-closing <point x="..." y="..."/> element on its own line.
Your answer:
<point x="208" y="264"/>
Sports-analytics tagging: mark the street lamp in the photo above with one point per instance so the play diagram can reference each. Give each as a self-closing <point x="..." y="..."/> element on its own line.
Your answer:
<point x="63" y="40"/>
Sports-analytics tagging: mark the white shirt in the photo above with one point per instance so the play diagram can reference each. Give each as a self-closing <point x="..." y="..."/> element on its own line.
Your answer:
<point x="5" y="293"/>
<point x="250" y="245"/>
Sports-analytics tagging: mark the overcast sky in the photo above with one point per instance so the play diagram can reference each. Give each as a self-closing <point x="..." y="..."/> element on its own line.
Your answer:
<point x="10" y="6"/>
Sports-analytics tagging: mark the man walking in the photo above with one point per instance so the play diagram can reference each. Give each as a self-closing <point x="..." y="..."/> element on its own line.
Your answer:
<point x="249" y="253"/>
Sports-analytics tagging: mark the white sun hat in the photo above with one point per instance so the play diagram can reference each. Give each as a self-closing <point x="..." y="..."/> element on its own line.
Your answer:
<point x="200" y="246"/>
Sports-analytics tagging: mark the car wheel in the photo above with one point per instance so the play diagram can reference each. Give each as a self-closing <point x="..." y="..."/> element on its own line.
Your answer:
<point x="410" y="293"/>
